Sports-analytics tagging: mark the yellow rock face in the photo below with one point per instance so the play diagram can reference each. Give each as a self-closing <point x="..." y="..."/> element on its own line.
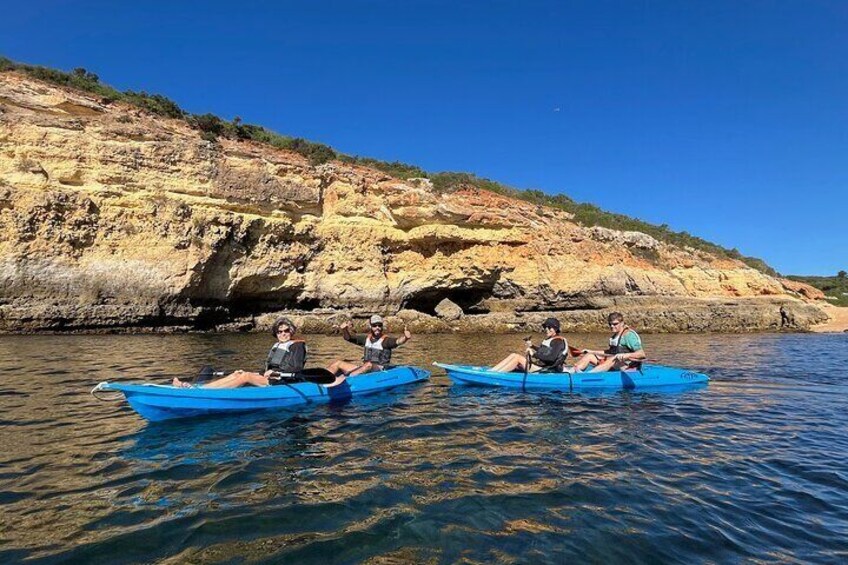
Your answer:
<point x="111" y="217"/>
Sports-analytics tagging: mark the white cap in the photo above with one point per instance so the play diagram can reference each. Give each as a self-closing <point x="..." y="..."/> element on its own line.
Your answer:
<point x="376" y="319"/>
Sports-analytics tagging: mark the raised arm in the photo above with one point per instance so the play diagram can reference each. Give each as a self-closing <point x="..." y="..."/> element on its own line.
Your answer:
<point x="346" y="332"/>
<point x="405" y="337"/>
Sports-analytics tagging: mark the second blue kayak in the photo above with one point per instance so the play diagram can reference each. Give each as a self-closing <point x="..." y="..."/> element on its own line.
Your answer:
<point x="646" y="377"/>
<point x="165" y="402"/>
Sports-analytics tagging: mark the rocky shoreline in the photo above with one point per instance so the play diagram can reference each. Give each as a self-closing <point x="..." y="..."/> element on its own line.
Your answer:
<point x="681" y="316"/>
<point x="115" y="220"/>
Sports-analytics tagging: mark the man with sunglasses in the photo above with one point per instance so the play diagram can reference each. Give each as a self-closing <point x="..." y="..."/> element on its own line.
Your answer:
<point x="286" y="357"/>
<point x="377" y="348"/>
<point x="624" y="351"/>
<point x="548" y="357"/>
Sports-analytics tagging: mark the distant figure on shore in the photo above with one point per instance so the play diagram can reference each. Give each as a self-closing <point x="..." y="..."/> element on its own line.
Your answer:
<point x="285" y="358"/>
<point x="549" y="356"/>
<point x="785" y="319"/>
<point x="377" y="352"/>
<point x="624" y="351"/>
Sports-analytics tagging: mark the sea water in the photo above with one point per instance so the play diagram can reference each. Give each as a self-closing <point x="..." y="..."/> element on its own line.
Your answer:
<point x="752" y="467"/>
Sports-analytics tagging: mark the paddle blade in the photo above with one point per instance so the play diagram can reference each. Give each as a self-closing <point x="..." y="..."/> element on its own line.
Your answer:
<point x="574" y="351"/>
<point x="206" y="374"/>
<point x="317" y="375"/>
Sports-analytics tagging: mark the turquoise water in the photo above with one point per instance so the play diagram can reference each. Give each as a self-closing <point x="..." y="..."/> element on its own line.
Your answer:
<point x="752" y="468"/>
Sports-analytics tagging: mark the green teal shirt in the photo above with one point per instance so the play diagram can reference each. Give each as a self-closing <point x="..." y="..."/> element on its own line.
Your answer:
<point x="631" y="341"/>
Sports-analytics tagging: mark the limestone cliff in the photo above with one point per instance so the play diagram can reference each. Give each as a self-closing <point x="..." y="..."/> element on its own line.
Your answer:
<point x="114" y="218"/>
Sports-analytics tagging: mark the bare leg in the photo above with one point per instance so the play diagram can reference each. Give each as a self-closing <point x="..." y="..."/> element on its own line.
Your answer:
<point x="605" y="365"/>
<point x="509" y="361"/>
<point x="339" y="366"/>
<point x="346" y="369"/>
<point x="512" y="362"/>
<point x="237" y="379"/>
<point x="233" y="380"/>
<point x="364" y="368"/>
<point x="586" y="360"/>
<point x="499" y="367"/>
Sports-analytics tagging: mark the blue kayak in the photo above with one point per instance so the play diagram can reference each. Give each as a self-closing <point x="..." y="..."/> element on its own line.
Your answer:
<point x="647" y="376"/>
<point x="164" y="402"/>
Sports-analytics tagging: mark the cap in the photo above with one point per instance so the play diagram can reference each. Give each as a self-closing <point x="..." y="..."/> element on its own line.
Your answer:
<point x="551" y="323"/>
<point x="375" y="319"/>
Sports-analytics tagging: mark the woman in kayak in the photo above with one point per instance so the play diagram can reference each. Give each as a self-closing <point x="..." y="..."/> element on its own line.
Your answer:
<point x="377" y="349"/>
<point x="549" y="356"/>
<point x="286" y="357"/>
<point x="624" y="351"/>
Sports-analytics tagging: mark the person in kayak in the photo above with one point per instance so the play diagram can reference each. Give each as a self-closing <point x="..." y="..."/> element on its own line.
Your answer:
<point x="548" y="357"/>
<point x="285" y="358"/>
<point x="624" y="351"/>
<point x="377" y="348"/>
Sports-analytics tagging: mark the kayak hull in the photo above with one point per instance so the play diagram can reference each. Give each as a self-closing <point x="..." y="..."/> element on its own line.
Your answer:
<point x="164" y="402"/>
<point x="649" y="376"/>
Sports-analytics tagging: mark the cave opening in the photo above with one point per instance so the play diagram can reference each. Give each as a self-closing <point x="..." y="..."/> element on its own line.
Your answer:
<point x="471" y="300"/>
<point x="255" y="305"/>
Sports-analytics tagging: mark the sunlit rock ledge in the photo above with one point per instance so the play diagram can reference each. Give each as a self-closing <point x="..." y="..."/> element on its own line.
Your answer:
<point x="116" y="220"/>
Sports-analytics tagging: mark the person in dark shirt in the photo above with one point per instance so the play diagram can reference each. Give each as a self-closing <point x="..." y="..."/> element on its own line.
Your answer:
<point x="377" y="348"/>
<point x="286" y="357"/>
<point x="548" y="357"/>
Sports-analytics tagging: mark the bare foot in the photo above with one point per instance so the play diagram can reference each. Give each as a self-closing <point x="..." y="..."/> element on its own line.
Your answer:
<point x="339" y="380"/>
<point x="179" y="384"/>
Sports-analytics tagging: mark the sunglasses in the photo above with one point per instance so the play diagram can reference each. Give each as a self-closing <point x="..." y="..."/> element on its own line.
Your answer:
<point x="614" y="324"/>
<point x="377" y="326"/>
<point x="284" y="331"/>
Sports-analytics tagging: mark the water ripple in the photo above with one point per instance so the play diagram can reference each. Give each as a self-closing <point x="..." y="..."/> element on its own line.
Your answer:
<point x="752" y="468"/>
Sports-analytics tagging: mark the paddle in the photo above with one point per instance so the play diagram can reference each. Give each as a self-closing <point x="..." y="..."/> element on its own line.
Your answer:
<point x="206" y="373"/>
<point x="317" y="375"/>
<point x="577" y="352"/>
<point x="574" y="351"/>
<point x="527" y="360"/>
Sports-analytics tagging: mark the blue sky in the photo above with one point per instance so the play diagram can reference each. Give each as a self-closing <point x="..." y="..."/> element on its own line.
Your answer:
<point x="727" y="119"/>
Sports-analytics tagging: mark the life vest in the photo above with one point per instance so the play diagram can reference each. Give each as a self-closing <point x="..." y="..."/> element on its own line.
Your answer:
<point x="278" y="357"/>
<point x="374" y="351"/>
<point x="615" y="346"/>
<point x="556" y="365"/>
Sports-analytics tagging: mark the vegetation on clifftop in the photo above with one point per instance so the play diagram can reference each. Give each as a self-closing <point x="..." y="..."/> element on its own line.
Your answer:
<point x="835" y="288"/>
<point x="212" y="127"/>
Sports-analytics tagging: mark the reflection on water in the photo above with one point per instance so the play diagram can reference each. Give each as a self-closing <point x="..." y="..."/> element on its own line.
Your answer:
<point x="755" y="466"/>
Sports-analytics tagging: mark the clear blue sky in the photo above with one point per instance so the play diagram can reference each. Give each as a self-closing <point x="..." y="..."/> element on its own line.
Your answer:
<point x="727" y="119"/>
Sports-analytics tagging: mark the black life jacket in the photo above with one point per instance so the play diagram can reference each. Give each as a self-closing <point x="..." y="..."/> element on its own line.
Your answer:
<point x="556" y="366"/>
<point x="278" y="357"/>
<point x="614" y="343"/>
<point x="374" y="351"/>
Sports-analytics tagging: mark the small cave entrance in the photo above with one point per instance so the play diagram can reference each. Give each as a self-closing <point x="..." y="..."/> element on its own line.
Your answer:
<point x="471" y="300"/>
<point x="255" y="305"/>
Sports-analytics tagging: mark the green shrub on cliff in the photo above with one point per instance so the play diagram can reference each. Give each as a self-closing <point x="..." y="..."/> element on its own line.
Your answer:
<point x="396" y="169"/>
<point x="212" y="127"/>
<point x="834" y="287"/>
<point x="154" y="103"/>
